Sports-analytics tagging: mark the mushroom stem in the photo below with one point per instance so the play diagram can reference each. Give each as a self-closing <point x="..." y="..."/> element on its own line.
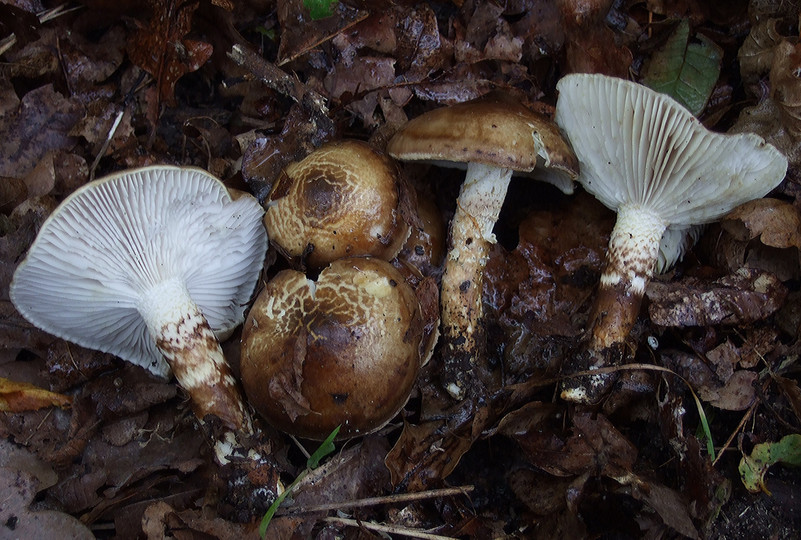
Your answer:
<point x="630" y="261"/>
<point x="187" y="342"/>
<point x="477" y="209"/>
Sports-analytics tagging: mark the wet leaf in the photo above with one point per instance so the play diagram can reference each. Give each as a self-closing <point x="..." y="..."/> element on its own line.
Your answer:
<point x="40" y="124"/>
<point x="754" y="466"/>
<point x="686" y="71"/>
<point x="161" y="47"/>
<point x="18" y="397"/>
<point x="743" y="297"/>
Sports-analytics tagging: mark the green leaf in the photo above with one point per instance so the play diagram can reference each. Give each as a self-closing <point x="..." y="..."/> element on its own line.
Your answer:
<point x="753" y="467"/>
<point x="685" y="71"/>
<point x="320" y="9"/>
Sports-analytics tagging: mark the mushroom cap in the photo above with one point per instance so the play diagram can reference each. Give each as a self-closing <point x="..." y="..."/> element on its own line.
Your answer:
<point x="344" y="350"/>
<point x="639" y="147"/>
<point x="493" y="130"/>
<point x="117" y="237"/>
<point x="342" y="200"/>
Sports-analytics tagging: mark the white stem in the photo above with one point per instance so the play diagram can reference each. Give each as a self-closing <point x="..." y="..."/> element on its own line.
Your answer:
<point x="184" y="337"/>
<point x="477" y="209"/>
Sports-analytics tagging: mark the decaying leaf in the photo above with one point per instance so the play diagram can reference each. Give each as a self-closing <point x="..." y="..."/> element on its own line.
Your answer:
<point x="776" y="223"/>
<point x="754" y="466"/>
<point x="757" y="51"/>
<point x="686" y="71"/>
<point x="785" y="85"/>
<point x="743" y="297"/>
<point x="40" y="124"/>
<point x="18" y="521"/>
<point x="19" y="396"/>
<point x="161" y="48"/>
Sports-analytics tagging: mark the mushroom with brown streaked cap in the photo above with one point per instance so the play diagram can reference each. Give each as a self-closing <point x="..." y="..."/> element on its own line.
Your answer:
<point x="646" y="157"/>
<point x="150" y="265"/>
<point x="343" y="350"/>
<point x="342" y="200"/>
<point x="495" y="137"/>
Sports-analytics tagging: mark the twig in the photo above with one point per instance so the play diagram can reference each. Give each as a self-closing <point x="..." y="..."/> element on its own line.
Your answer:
<point x="373" y="501"/>
<point x="106" y="143"/>
<point x="403" y="531"/>
<point x="274" y="77"/>
<point x="45" y="16"/>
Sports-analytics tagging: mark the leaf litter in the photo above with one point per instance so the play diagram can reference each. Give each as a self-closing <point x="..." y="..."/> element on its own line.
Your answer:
<point x="106" y="87"/>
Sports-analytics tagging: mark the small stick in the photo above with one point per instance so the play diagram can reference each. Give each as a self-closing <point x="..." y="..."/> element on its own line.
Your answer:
<point x="274" y="77"/>
<point x="388" y="499"/>
<point x="403" y="531"/>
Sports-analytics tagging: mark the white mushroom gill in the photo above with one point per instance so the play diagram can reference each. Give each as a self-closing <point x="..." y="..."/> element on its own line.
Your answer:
<point x="124" y="255"/>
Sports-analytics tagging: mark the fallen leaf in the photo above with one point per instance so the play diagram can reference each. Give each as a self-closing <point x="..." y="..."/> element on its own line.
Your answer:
<point x="686" y="71"/>
<point x="753" y="467"/>
<point x="161" y="48"/>
<point x="19" y="397"/>
<point x="776" y="223"/>
<point x="18" y="521"/>
<point x="746" y="296"/>
<point x="668" y="503"/>
<point x="40" y="124"/>
<point x="757" y="51"/>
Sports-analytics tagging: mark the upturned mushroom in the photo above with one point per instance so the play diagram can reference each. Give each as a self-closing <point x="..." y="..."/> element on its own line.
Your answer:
<point x="342" y="200"/>
<point x="150" y="265"/>
<point x="342" y="351"/>
<point x="494" y="137"/>
<point x="647" y="158"/>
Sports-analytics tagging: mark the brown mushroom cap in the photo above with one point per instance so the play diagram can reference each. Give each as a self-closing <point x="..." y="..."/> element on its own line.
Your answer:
<point x="344" y="350"/>
<point x="342" y="200"/>
<point x="493" y="130"/>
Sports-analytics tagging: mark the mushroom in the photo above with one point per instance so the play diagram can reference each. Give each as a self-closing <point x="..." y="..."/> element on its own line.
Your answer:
<point x="647" y="158"/>
<point x="151" y="265"/>
<point x="344" y="350"/>
<point x="342" y="200"/>
<point x="495" y="137"/>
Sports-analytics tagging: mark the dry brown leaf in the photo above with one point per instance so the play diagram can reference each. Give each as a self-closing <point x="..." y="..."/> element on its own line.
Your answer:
<point x="776" y="223"/>
<point x="18" y="397"/>
<point x="757" y="51"/>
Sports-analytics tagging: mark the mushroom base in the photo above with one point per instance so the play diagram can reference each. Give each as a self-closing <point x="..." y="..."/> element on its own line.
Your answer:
<point x="590" y="388"/>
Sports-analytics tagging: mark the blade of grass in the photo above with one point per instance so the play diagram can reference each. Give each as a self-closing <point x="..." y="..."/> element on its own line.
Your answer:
<point x="325" y="448"/>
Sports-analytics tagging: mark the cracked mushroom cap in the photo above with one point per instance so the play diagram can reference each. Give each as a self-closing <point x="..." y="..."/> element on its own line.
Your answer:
<point x="639" y="147"/>
<point x="116" y="238"/>
<point x="493" y="130"/>
<point x="342" y="200"/>
<point x="342" y="350"/>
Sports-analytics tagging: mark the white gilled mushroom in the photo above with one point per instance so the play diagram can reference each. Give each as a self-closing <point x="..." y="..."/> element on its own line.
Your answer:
<point x="149" y="265"/>
<point x="495" y="137"/>
<point x="342" y="200"/>
<point x="646" y="157"/>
